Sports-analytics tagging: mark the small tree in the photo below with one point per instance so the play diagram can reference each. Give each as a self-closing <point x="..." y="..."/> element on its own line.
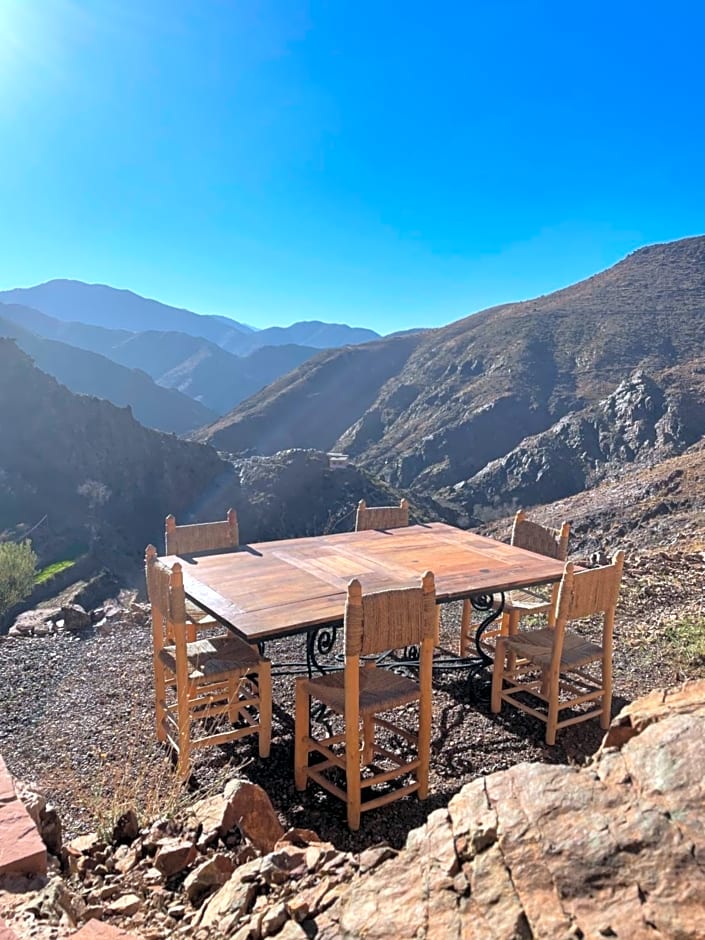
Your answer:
<point x="18" y="565"/>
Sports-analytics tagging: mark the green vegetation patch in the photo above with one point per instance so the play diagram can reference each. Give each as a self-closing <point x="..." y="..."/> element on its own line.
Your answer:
<point x="17" y="566"/>
<point x="687" y="637"/>
<point x="52" y="570"/>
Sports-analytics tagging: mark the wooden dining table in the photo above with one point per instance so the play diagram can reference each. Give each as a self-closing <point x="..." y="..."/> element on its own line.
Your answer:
<point x="269" y="590"/>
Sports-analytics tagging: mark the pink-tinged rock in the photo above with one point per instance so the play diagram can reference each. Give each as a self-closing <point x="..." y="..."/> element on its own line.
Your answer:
<point x="635" y="717"/>
<point x="616" y="848"/>
<point x="95" y="930"/>
<point x="254" y="814"/>
<point x="22" y="851"/>
<point x="215" y="815"/>
<point x="233" y="900"/>
<point x="173" y="855"/>
<point x="83" y="845"/>
<point x="5" y="932"/>
<point x="126" y="905"/>
<point x="212" y="873"/>
<point x="7" y="787"/>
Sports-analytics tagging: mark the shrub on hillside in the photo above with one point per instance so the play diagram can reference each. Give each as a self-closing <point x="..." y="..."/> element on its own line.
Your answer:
<point x="18" y="564"/>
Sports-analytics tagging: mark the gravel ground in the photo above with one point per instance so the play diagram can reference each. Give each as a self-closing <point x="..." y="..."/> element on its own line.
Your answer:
<point x="77" y="716"/>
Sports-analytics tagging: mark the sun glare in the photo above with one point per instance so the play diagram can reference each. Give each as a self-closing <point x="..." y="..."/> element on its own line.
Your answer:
<point x="35" y="43"/>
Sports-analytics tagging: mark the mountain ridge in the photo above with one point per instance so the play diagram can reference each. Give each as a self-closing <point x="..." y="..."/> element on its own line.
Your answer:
<point x="119" y="308"/>
<point x="88" y="373"/>
<point x="470" y="392"/>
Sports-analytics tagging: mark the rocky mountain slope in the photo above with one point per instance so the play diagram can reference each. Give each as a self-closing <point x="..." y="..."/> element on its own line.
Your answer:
<point x="100" y="477"/>
<point x="434" y="414"/>
<point x="88" y="373"/>
<point x="313" y="406"/>
<point x="106" y="482"/>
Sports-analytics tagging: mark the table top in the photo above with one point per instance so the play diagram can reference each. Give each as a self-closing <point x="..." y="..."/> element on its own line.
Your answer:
<point x="273" y="589"/>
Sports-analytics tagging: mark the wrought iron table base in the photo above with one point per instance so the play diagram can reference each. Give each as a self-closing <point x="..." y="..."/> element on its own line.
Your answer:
<point x="321" y="643"/>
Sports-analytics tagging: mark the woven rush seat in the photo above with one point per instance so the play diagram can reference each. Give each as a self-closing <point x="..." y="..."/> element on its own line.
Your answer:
<point x="212" y="656"/>
<point x="380" y="690"/>
<point x="197" y="614"/>
<point x="527" y="601"/>
<point x="537" y="645"/>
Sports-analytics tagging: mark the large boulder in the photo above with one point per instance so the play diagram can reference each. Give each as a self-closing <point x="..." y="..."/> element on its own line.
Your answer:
<point x="614" y="849"/>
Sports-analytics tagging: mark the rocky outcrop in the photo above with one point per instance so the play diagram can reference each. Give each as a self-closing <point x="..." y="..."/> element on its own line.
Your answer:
<point x="615" y="849"/>
<point x="470" y="392"/>
<point x="640" y="422"/>
<point x="296" y="493"/>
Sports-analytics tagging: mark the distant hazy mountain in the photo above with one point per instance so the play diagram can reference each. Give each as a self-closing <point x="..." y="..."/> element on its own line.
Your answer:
<point x="100" y="305"/>
<point x="106" y="306"/>
<point x="306" y="333"/>
<point x="193" y="365"/>
<point x="89" y="373"/>
<point x="211" y="379"/>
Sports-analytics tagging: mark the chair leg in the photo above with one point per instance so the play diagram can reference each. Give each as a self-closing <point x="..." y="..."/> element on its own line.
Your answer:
<point x="512" y="627"/>
<point x="368" y="729"/>
<point x="606" y="715"/>
<point x="465" y="622"/>
<point x="352" y="773"/>
<point x="264" y="685"/>
<point x="302" y="730"/>
<point x="233" y="700"/>
<point x="160" y="698"/>
<point x="552" y="722"/>
<point x="498" y="675"/>
<point x="424" y="744"/>
<point x="184" y="718"/>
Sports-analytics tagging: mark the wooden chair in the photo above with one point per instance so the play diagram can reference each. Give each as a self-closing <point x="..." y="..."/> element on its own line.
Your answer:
<point x="381" y="517"/>
<point x="201" y="680"/>
<point x="534" y="538"/>
<point x="374" y="623"/>
<point x="553" y="661"/>
<point x="200" y="537"/>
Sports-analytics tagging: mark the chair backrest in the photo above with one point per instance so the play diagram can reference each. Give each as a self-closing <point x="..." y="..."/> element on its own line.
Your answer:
<point x="201" y="537"/>
<point x="595" y="591"/>
<point x="381" y="517"/>
<point x="540" y="539"/>
<point x="165" y="587"/>
<point x="586" y="593"/>
<point x="391" y="619"/>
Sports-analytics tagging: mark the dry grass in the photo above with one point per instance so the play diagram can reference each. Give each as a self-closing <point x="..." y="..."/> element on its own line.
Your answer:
<point x="136" y="779"/>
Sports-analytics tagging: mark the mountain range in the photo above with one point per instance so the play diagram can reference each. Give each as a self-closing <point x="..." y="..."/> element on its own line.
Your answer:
<point x="512" y="405"/>
<point x="522" y="404"/>
<point x="214" y="361"/>
<point x="89" y="373"/>
<point x="100" y="305"/>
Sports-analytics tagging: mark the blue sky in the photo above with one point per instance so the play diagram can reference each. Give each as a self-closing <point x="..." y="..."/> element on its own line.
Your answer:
<point x="386" y="164"/>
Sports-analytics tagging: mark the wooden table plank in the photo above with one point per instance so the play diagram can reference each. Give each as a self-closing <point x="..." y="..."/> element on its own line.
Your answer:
<point x="271" y="589"/>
